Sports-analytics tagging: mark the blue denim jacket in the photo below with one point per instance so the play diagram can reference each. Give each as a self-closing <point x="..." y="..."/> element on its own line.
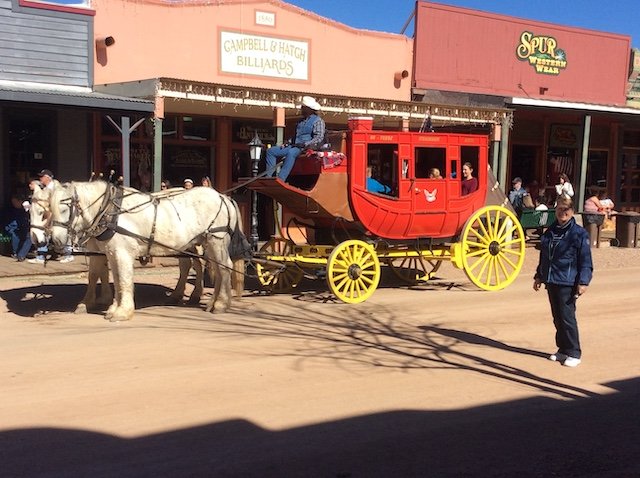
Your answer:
<point x="569" y="261"/>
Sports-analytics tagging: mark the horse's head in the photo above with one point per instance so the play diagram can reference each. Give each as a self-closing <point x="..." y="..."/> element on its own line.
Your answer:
<point x="75" y="209"/>
<point x="40" y="216"/>
<point x="63" y="208"/>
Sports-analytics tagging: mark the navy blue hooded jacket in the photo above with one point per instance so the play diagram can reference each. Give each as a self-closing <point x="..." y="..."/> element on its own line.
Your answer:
<point x="565" y="255"/>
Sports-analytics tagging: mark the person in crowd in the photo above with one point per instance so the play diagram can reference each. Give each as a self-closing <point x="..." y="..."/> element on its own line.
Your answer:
<point x="164" y="184"/>
<point x="541" y="204"/>
<point x="206" y="182"/>
<point x="533" y="188"/>
<point x="310" y="132"/>
<point x="375" y="186"/>
<point x="434" y="173"/>
<point x="565" y="267"/>
<point x="188" y="183"/>
<point x="469" y="182"/>
<point x="16" y="224"/>
<point x="564" y="187"/>
<point x="517" y="195"/>
<point x="46" y="180"/>
<point x="599" y="203"/>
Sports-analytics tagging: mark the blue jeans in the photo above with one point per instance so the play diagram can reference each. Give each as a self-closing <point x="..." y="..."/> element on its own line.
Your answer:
<point x="563" y="309"/>
<point x="20" y="245"/>
<point x="289" y="153"/>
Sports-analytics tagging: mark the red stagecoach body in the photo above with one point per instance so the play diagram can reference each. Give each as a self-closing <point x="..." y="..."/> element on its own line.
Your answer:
<point x="417" y="206"/>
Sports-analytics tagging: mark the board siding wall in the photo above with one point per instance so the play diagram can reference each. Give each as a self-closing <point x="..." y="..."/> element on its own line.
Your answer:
<point x="43" y="46"/>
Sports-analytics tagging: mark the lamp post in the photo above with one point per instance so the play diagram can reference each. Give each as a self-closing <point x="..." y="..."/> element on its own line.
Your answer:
<point x="255" y="152"/>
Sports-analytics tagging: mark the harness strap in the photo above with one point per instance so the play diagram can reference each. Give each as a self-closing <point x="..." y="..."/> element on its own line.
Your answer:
<point x="153" y="227"/>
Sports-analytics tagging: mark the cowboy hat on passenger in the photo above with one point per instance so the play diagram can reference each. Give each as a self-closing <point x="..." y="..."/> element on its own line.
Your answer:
<point x="310" y="102"/>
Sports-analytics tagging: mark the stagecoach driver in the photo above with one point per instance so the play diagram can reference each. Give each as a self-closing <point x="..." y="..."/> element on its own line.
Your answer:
<point x="309" y="135"/>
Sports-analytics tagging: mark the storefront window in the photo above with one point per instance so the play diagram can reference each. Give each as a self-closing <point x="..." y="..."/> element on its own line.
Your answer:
<point x="197" y="128"/>
<point x="597" y="172"/>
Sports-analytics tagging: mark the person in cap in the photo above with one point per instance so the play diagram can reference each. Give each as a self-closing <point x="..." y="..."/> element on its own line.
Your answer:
<point x="188" y="183"/>
<point x="309" y="135"/>
<point x="517" y="194"/>
<point x="46" y="178"/>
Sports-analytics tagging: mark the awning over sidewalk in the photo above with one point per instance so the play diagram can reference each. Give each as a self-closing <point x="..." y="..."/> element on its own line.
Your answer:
<point x="42" y="93"/>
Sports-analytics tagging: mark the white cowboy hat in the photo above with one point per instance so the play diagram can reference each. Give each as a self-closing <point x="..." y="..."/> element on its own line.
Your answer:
<point x="310" y="102"/>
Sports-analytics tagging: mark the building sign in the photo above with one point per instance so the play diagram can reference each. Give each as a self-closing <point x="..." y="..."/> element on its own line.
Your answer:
<point x="268" y="19"/>
<point x="542" y="53"/>
<point x="264" y="56"/>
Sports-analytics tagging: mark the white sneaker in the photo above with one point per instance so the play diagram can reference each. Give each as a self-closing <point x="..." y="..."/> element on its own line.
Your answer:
<point x="558" y="357"/>
<point x="66" y="259"/>
<point x="571" y="362"/>
<point x="36" y="260"/>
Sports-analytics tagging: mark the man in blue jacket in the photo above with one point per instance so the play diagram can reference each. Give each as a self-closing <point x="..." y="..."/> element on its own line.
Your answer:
<point x="565" y="267"/>
<point x="309" y="135"/>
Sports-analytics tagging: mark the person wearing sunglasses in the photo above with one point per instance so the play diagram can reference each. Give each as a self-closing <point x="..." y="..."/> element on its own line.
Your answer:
<point x="565" y="268"/>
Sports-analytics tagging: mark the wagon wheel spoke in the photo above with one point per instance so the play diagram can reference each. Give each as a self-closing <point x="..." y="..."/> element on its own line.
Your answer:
<point x="353" y="271"/>
<point x="274" y="278"/>
<point x="492" y="248"/>
<point x="413" y="270"/>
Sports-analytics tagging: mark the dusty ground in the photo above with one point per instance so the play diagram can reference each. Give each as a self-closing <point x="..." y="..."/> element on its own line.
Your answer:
<point x="437" y="380"/>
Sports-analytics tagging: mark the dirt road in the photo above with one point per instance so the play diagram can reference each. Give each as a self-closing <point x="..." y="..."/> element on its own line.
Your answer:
<point x="436" y="380"/>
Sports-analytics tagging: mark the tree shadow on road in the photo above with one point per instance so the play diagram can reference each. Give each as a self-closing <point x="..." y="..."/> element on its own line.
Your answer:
<point x="536" y="437"/>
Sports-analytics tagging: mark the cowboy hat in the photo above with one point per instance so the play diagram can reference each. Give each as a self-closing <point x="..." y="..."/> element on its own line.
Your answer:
<point x="310" y="102"/>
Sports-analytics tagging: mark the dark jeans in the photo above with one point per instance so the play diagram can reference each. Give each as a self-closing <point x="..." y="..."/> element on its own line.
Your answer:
<point x="563" y="309"/>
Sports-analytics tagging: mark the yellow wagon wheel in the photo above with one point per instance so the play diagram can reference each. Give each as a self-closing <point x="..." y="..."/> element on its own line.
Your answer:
<point x="414" y="270"/>
<point x="353" y="271"/>
<point x="278" y="279"/>
<point x="492" y="248"/>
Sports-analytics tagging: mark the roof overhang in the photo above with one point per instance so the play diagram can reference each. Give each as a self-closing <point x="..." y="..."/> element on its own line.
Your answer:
<point x="61" y="95"/>
<point x="567" y="105"/>
<point x="261" y="101"/>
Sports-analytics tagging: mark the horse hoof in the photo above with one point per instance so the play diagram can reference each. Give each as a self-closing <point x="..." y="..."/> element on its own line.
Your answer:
<point x="81" y="309"/>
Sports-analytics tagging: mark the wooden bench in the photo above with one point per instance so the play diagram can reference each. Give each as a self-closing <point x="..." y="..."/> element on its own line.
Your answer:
<point x="532" y="219"/>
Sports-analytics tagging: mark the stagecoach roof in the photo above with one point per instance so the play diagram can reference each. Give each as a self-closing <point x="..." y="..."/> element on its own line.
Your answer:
<point x="253" y="100"/>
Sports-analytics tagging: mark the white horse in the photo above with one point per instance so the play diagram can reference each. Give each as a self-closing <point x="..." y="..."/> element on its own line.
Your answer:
<point x="40" y="215"/>
<point x="137" y="224"/>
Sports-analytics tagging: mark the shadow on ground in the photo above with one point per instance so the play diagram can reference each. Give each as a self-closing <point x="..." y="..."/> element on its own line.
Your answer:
<point x="587" y="437"/>
<point x="42" y="299"/>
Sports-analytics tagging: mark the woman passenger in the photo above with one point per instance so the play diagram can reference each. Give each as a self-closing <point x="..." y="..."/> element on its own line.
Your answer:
<point x="469" y="183"/>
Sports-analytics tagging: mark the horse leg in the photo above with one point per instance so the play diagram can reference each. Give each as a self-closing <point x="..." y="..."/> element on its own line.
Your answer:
<point x="195" y="296"/>
<point x="177" y="295"/>
<point x="122" y="262"/>
<point x="217" y="251"/>
<point x="237" y="277"/>
<point x="106" y="296"/>
<point x="89" y="300"/>
<point x="116" y="286"/>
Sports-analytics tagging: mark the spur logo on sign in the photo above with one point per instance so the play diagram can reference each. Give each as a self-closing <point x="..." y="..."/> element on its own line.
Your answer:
<point x="542" y="53"/>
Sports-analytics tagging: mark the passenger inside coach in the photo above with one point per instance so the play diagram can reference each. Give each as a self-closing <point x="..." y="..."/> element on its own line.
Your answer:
<point x="375" y="186"/>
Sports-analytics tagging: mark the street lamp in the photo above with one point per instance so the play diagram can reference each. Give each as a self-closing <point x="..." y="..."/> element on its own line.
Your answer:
<point x="255" y="153"/>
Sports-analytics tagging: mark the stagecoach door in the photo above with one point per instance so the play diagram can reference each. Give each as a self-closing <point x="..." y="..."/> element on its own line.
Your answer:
<point x="430" y="186"/>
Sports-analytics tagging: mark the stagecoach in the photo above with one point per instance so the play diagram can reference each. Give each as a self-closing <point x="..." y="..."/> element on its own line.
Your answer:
<point x="337" y="229"/>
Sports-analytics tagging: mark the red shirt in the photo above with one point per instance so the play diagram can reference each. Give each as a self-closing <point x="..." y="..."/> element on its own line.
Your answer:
<point x="469" y="186"/>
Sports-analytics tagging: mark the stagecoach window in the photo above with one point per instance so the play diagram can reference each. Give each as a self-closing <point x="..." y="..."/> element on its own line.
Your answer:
<point x="471" y="154"/>
<point x="383" y="160"/>
<point x="428" y="159"/>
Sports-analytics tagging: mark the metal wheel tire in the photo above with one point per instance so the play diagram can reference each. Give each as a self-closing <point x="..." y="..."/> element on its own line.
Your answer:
<point x="492" y="248"/>
<point x="353" y="271"/>
<point x="278" y="280"/>
<point x="413" y="270"/>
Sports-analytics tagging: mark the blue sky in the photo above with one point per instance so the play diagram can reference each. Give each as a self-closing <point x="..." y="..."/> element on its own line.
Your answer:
<point x="615" y="16"/>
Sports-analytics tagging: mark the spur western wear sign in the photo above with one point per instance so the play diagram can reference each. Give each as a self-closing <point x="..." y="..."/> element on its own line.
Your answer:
<point x="542" y="53"/>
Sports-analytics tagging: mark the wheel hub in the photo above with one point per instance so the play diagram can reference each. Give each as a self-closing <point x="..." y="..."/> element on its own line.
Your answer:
<point x="494" y="248"/>
<point x="355" y="271"/>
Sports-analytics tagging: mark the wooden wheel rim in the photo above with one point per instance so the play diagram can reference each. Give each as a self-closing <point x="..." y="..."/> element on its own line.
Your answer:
<point x="493" y="247"/>
<point x="353" y="271"/>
